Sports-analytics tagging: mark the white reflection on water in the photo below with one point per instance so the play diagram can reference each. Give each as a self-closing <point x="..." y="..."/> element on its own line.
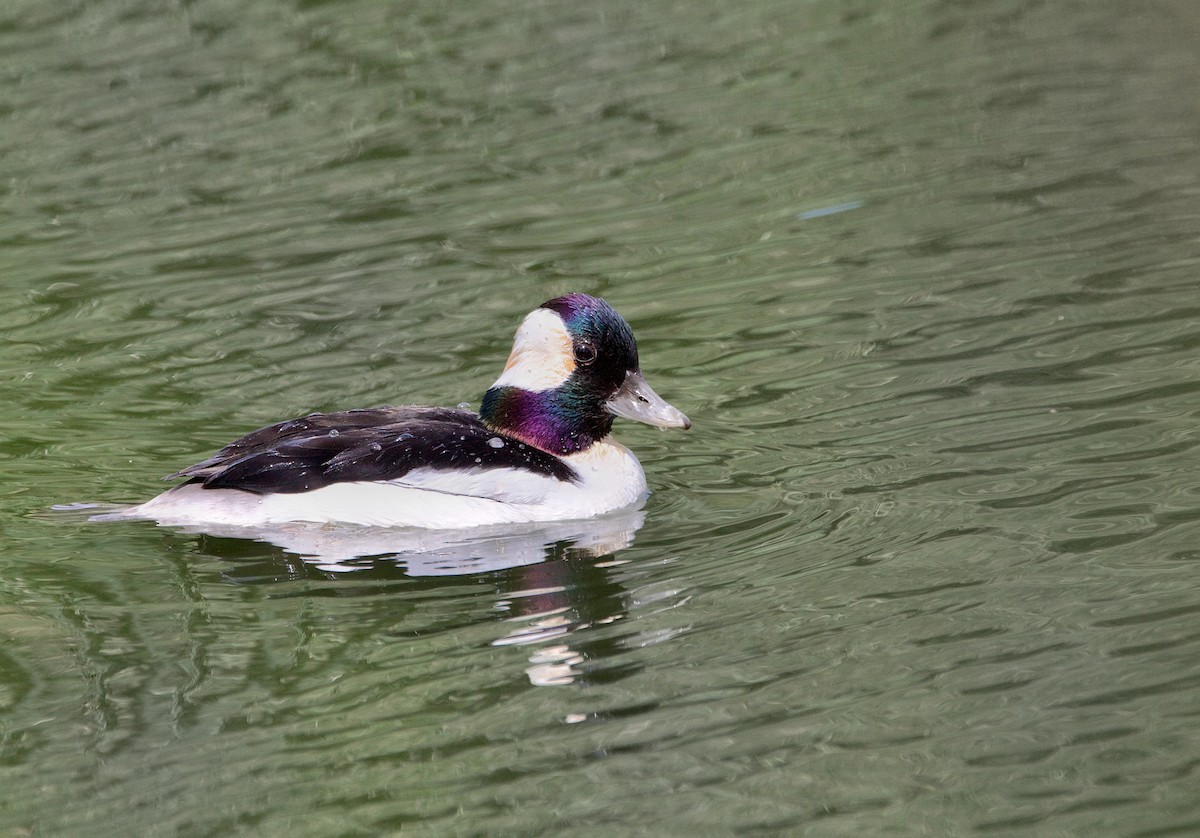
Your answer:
<point x="338" y="548"/>
<point x="544" y="609"/>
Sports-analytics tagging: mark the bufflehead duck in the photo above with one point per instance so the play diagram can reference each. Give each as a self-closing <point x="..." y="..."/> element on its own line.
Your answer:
<point x="538" y="450"/>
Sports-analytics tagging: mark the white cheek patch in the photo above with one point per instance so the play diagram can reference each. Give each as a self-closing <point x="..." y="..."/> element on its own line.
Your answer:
<point x="542" y="357"/>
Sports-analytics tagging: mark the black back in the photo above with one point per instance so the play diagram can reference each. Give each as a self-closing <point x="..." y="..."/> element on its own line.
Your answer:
<point x="372" y="444"/>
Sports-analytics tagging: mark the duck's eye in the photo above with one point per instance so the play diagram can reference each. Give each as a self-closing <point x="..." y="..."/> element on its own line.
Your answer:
<point x="585" y="353"/>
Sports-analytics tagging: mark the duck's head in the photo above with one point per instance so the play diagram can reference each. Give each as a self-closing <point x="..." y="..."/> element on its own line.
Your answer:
<point x="573" y="368"/>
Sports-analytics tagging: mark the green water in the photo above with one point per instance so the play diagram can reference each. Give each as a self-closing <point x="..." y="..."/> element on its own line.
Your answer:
<point x="924" y="276"/>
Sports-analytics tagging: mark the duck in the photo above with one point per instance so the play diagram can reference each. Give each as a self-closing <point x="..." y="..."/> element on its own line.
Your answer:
<point x="539" y="449"/>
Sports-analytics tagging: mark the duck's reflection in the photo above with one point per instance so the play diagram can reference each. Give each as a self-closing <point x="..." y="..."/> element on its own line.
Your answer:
<point x="545" y="603"/>
<point x="551" y="580"/>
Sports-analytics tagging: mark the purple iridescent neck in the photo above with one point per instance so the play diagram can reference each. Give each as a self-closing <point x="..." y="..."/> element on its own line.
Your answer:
<point x="557" y="421"/>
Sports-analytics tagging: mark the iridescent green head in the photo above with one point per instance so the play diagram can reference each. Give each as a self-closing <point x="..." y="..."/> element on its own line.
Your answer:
<point x="573" y="367"/>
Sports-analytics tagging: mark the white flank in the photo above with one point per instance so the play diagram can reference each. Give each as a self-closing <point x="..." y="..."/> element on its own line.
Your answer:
<point x="610" y="478"/>
<point x="542" y="357"/>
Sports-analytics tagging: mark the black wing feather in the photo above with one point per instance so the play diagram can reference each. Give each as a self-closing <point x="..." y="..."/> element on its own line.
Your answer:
<point x="372" y="444"/>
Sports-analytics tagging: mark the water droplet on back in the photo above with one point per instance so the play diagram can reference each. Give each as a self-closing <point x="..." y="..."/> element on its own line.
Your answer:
<point x="404" y="437"/>
<point x="375" y="446"/>
<point x="333" y="431"/>
<point x="496" y="442"/>
<point x="464" y="405"/>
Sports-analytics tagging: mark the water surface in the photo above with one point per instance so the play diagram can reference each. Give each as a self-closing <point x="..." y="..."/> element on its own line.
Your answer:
<point x="924" y="280"/>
